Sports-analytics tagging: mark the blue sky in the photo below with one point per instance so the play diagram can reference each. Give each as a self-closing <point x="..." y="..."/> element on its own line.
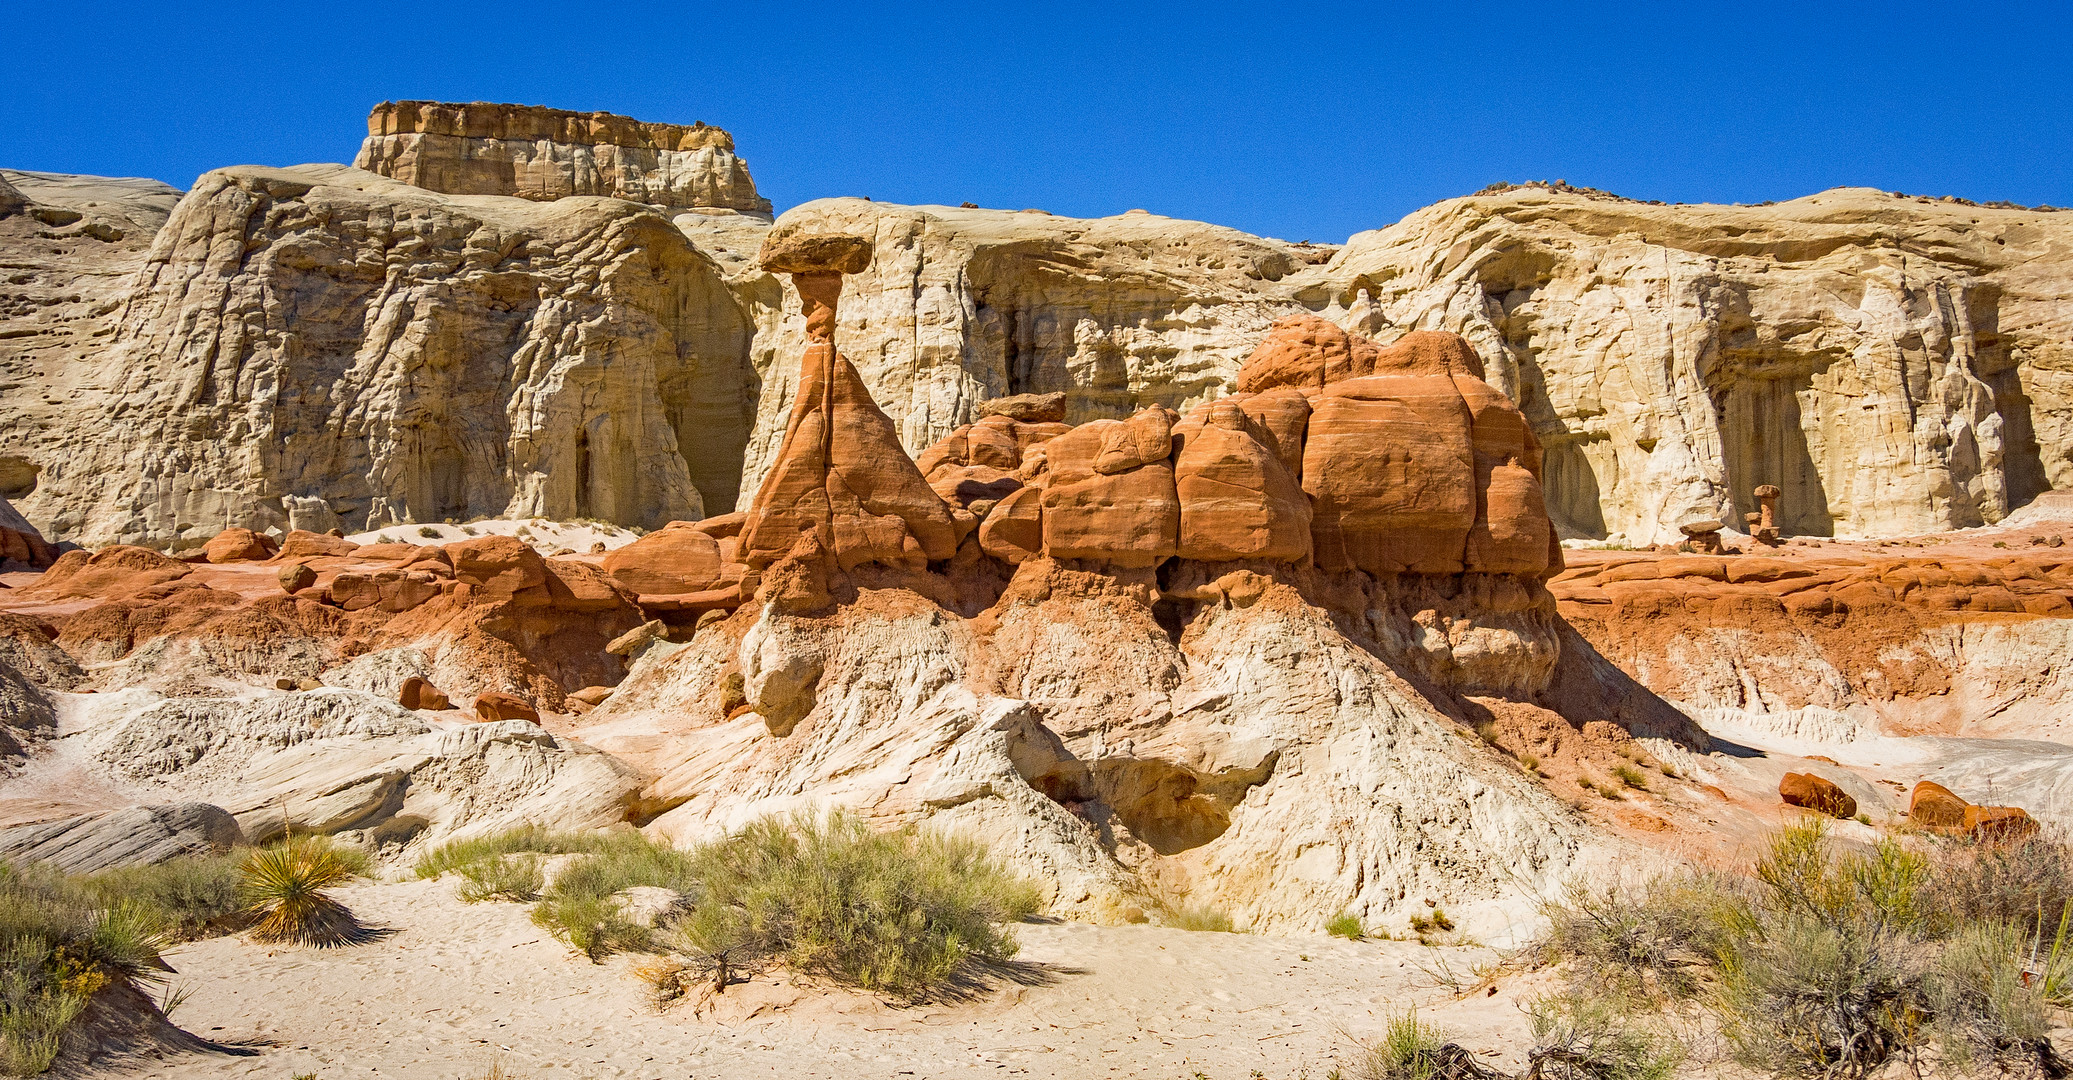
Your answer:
<point x="1304" y="121"/>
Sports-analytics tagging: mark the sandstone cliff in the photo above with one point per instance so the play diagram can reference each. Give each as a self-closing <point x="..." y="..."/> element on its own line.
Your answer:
<point x="319" y="345"/>
<point x="1891" y="364"/>
<point x="546" y="154"/>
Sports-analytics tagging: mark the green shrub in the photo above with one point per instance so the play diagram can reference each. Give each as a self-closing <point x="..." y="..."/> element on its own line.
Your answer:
<point x="59" y="947"/>
<point x="2028" y="881"/>
<point x="1984" y="1012"/>
<point x="192" y="897"/>
<point x="456" y="854"/>
<point x="504" y="877"/>
<point x="1437" y="921"/>
<point x="1630" y="776"/>
<point x="1345" y="925"/>
<point x="900" y="912"/>
<point x="1651" y="940"/>
<point x="428" y="532"/>
<point x="579" y="907"/>
<point x="1594" y="1037"/>
<point x="1408" y="1050"/>
<point x="283" y="888"/>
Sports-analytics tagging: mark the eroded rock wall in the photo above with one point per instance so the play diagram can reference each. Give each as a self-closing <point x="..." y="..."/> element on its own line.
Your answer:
<point x="1892" y="364"/>
<point x="321" y="346"/>
<point x="544" y="154"/>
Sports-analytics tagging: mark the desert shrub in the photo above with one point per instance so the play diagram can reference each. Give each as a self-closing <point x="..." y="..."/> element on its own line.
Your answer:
<point x="1983" y="1009"/>
<point x="1630" y="776"/>
<point x="503" y="877"/>
<point x="1651" y="939"/>
<point x="428" y="532"/>
<point x="1345" y="925"/>
<point x="2028" y="881"/>
<point x="1201" y="918"/>
<point x="580" y="908"/>
<point x="526" y="839"/>
<point x="59" y="947"/>
<point x="1593" y="1037"/>
<point x="898" y="912"/>
<point x="1437" y="921"/>
<point x="1815" y="997"/>
<point x="283" y="889"/>
<point x="192" y="897"/>
<point x="1407" y="1051"/>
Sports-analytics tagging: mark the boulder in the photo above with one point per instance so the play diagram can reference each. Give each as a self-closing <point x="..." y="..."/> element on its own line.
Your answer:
<point x="134" y="836"/>
<point x="496" y="705"/>
<point x="295" y="577"/>
<point x="1238" y="500"/>
<point x="303" y="544"/>
<point x="239" y="545"/>
<point x="1934" y="806"/>
<point x="592" y="695"/>
<point x="632" y="641"/>
<point x="1110" y="494"/>
<point x="419" y="694"/>
<point x="112" y="573"/>
<point x="20" y="542"/>
<point x="1014" y="531"/>
<point x="1999" y="824"/>
<point x="1306" y="352"/>
<point x="1817" y="793"/>
<point x="1026" y="408"/>
<point x="499" y="567"/>
<point x="1389" y="464"/>
<point x="679" y="559"/>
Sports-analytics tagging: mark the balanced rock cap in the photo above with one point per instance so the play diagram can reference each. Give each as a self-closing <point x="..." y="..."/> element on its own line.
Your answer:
<point x="815" y="253"/>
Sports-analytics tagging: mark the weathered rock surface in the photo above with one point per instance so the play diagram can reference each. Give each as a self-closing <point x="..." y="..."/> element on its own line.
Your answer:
<point x="134" y="836"/>
<point x="544" y="154"/>
<point x="340" y="761"/>
<point x="423" y="357"/>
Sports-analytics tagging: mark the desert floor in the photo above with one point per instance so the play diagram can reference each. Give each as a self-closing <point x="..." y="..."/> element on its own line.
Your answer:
<point x="455" y="989"/>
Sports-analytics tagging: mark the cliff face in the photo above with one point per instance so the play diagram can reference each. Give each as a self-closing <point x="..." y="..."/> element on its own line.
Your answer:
<point x="546" y="154"/>
<point x="1892" y="364"/>
<point x="321" y="346"/>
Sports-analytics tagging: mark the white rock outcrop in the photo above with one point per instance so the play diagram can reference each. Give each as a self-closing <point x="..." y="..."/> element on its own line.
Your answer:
<point x="544" y="154"/>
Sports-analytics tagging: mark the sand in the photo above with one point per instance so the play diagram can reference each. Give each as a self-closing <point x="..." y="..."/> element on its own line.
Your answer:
<point x="457" y="988"/>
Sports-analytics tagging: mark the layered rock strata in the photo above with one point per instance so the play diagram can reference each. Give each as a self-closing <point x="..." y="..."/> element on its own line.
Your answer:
<point x="544" y="154"/>
<point x="355" y="351"/>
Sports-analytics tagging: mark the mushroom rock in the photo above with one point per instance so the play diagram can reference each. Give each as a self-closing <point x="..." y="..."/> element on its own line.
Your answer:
<point x="1238" y="500"/>
<point x="681" y="558"/>
<point x="1110" y="493"/>
<point x="841" y="468"/>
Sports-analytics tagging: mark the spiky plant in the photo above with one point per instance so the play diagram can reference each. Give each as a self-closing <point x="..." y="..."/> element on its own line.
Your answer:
<point x="284" y="885"/>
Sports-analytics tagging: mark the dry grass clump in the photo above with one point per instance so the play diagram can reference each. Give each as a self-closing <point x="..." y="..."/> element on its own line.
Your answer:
<point x="1823" y="963"/>
<point x="898" y="912"/>
<point x="1201" y="918"/>
<point x="1345" y="925"/>
<point x="59" y="947"/>
<point x="506" y="865"/>
<point x="191" y="898"/>
<point x="581" y="907"/>
<point x="283" y="889"/>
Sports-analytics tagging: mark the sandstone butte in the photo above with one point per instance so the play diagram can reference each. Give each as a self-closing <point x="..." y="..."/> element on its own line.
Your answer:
<point x="1169" y="561"/>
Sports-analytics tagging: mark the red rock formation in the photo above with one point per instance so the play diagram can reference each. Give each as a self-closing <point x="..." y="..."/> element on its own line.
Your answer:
<point x="680" y="558"/>
<point x="239" y="545"/>
<point x="1238" y="498"/>
<point x="497" y="705"/>
<point x="1110" y="493"/>
<point x="1817" y="793"/>
<point x="841" y="470"/>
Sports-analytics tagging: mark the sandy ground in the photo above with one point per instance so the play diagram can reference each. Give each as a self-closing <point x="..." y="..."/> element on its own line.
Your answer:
<point x="456" y="988"/>
<point x="544" y="535"/>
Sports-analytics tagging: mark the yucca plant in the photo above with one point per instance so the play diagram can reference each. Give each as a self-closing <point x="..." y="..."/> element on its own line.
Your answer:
<point x="283" y="888"/>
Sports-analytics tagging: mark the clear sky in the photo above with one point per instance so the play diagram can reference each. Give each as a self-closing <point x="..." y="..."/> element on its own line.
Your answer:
<point x="1304" y="121"/>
